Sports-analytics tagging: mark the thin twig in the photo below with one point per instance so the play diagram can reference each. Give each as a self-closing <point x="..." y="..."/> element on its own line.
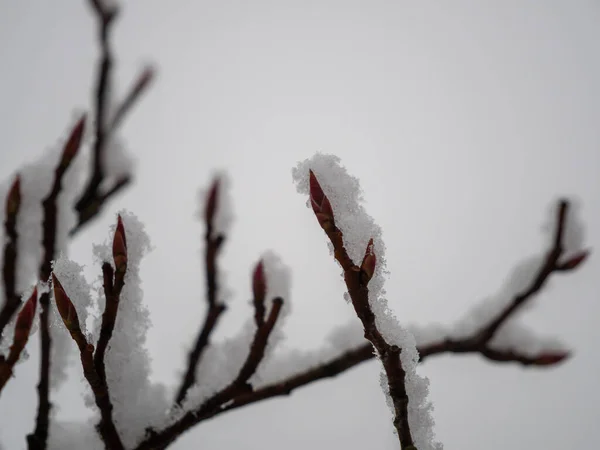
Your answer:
<point x="93" y="198"/>
<point x="237" y="387"/>
<point x="357" y="279"/>
<point x="106" y="428"/>
<point x="213" y="245"/>
<point x="11" y="298"/>
<point x="38" y="439"/>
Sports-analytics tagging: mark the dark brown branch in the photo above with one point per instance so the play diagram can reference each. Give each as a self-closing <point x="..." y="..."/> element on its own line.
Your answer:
<point x="106" y="428"/>
<point x="237" y="387"/>
<point x="11" y="297"/>
<point x="357" y="279"/>
<point x="38" y="439"/>
<point x="91" y="201"/>
<point x="212" y="248"/>
<point x="351" y="358"/>
<point x="109" y="317"/>
<point x="363" y="353"/>
<point x="138" y="88"/>
<point x="549" y="266"/>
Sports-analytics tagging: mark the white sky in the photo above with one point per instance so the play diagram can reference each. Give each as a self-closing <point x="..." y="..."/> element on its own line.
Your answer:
<point x="463" y="122"/>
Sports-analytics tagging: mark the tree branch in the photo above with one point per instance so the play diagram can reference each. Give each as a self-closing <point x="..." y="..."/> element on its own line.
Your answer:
<point x="357" y="279"/>
<point x="38" y="439"/>
<point x="11" y="297"/>
<point x="239" y="386"/>
<point x="93" y="197"/>
<point x="212" y="248"/>
<point x="106" y="428"/>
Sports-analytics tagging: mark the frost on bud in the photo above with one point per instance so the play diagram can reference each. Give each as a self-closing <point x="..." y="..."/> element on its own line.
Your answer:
<point x="23" y="324"/>
<point x="65" y="306"/>
<point x="211" y="202"/>
<point x="120" y="247"/>
<point x="575" y="261"/>
<point x="551" y="359"/>
<point x="367" y="267"/>
<point x="13" y="199"/>
<point x="320" y="203"/>
<point x="73" y="143"/>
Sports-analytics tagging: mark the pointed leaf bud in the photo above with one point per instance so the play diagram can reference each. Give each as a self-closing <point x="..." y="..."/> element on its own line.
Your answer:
<point x="120" y="247"/>
<point x="13" y="199"/>
<point x="24" y="323"/>
<point x="73" y="143"/>
<point x="575" y="261"/>
<point x="369" y="261"/>
<point x="144" y="79"/>
<point x="65" y="306"/>
<point x="259" y="283"/>
<point x="212" y="199"/>
<point x="320" y="203"/>
<point x="259" y="291"/>
<point x="551" y="359"/>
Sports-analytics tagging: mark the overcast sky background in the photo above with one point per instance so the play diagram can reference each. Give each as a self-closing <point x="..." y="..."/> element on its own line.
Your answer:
<point x="463" y="121"/>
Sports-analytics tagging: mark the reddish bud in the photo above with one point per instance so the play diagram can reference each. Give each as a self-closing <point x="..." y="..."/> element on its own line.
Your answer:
<point x="211" y="202"/>
<point x="575" y="261"/>
<point x="320" y="203"/>
<point x="24" y="322"/>
<point x="65" y="306"/>
<point x="120" y="247"/>
<point x="13" y="199"/>
<point x="73" y="143"/>
<point x="369" y="261"/>
<point x="144" y="79"/>
<point x="259" y="283"/>
<point x="551" y="359"/>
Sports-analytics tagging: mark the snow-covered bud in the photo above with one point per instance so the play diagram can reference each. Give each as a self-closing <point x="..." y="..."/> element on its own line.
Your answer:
<point x="119" y="247"/>
<point x="65" y="306"/>
<point x="368" y="264"/>
<point x="320" y="203"/>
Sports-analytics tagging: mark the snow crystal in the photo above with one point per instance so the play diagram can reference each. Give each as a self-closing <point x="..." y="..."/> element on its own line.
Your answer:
<point x="220" y="365"/>
<point x="341" y="339"/>
<point x="36" y="182"/>
<point x="137" y="402"/>
<point x="116" y="161"/>
<point x="514" y="336"/>
<point x="73" y="436"/>
<point x="223" y="360"/>
<point x="346" y="198"/>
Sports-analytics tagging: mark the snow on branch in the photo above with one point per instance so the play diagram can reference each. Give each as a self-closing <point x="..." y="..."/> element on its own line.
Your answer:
<point x="336" y="200"/>
<point x="231" y="368"/>
<point x="217" y="218"/>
